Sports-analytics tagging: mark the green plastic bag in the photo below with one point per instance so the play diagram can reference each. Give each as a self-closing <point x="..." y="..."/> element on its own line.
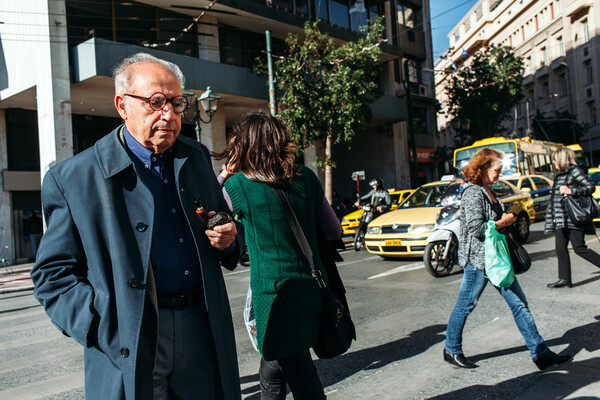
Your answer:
<point x="498" y="265"/>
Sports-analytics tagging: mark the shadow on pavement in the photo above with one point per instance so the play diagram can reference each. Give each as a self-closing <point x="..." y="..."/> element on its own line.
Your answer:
<point x="578" y="374"/>
<point x="339" y="368"/>
<point x="557" y="389"/>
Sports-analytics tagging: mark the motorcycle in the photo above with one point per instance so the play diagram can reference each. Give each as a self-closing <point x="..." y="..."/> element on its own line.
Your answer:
<point x="366" y="217"/>
<point x="441" y="251"/>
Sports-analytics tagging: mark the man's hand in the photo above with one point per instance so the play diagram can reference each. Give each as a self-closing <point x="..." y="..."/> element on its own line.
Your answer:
<point x="221" y="236"/>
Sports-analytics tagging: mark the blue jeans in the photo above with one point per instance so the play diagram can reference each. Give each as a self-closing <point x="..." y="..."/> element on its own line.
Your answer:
<point x="471" y="288"/>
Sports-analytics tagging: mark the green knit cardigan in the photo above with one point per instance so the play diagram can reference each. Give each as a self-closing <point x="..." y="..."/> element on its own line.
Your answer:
<point x="287" y="302"/>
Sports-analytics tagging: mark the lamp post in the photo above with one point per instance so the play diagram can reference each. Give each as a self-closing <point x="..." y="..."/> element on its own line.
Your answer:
<point x="209" y="103"/>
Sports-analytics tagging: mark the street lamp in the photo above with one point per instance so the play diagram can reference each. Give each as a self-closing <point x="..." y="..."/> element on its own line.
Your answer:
<point x="209" y="102"/>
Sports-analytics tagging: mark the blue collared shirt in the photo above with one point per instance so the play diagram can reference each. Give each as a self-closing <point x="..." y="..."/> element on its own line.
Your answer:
<point x="174" y="255"/>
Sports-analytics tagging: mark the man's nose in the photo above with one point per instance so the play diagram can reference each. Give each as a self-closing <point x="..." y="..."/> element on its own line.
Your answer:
<point x="167" y="111"/>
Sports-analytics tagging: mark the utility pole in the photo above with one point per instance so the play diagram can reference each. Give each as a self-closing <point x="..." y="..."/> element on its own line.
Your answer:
<point x="272" y="103"/>
<point x="411" y="130"/>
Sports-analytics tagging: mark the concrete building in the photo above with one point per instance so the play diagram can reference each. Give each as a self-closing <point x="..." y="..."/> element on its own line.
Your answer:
<point x="559" y="41"/>
<point x="56" y="90"/>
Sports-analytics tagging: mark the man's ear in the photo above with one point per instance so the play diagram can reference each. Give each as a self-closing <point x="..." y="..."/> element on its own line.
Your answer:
<point x="120" y="105"/>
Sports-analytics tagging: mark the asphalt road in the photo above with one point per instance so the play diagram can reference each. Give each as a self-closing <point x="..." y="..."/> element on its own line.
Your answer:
<point x="401" y="314"/>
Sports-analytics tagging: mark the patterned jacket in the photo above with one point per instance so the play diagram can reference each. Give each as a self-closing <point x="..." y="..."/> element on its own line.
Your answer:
<point x="475" y="211"/>
<point x="580" y="184"/>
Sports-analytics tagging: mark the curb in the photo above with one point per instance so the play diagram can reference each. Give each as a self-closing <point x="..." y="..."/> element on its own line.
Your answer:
<point x="16" y="289"/>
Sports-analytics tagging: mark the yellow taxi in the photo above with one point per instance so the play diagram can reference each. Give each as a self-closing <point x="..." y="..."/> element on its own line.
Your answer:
<point x="351" y="221"/>
<point x="404" y="232"/>
<point x="540" y="188"/>
<point x="594" y="174"/>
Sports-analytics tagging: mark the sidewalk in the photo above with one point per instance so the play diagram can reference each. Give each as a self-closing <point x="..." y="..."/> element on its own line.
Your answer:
<point x="16" y="278"/>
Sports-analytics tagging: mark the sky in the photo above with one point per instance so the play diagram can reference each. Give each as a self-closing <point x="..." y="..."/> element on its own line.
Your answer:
<point x="445" y="14"/>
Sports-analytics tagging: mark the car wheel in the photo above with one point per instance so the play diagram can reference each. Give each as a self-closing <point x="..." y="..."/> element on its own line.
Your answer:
<point x="359" y="240"/>
<point x="522" y="228"/>
<point x="434" y="263"/>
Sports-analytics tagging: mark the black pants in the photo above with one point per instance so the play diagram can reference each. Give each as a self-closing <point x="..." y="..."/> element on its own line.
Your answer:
<point x="576" y="237"/>
<point x="300" y="373"/>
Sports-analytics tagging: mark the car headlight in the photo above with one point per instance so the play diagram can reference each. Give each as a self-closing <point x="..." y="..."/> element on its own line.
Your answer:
<point x="345" y="220"/>
<point x="422" y="228"/>
<point x="373" y="230"/>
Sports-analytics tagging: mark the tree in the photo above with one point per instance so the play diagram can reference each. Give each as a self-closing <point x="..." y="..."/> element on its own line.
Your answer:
<point x="483" y="92"/>
<point x="562" y="128"/>
<point x="327" y="88"/>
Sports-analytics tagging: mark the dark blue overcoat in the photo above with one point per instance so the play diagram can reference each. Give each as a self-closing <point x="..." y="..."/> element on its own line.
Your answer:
<point x="93" y="274"/>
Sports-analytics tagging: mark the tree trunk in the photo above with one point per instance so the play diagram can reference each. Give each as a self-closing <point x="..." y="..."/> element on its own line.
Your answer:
<point x="328" y="168"/>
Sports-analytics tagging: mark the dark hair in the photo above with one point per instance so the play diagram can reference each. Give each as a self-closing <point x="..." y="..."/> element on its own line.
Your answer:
<point x="480" y="162"/>
<point x="262" y="149"/>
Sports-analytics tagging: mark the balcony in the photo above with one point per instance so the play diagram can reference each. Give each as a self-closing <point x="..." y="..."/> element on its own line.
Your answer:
<point x="412" y="41"/>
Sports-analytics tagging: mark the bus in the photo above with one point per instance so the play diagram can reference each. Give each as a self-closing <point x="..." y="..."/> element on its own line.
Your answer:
<point x="523" y="156"/>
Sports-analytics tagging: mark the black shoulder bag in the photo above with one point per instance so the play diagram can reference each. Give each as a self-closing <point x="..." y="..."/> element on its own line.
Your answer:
<point x="520" y="258"/>
<point x="336" y="330"/>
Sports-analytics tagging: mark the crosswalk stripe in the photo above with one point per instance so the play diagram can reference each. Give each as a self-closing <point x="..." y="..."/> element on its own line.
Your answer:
<point x="402" y="268"/>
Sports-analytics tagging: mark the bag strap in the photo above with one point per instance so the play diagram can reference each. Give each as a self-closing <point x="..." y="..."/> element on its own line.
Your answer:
<point x="299" y="234"/>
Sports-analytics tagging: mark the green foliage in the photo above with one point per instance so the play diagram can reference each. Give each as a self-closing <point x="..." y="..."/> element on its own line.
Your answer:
<point x="327" y="88"/>
<point x="562" y="128"/>
<point x="483" y="92"/>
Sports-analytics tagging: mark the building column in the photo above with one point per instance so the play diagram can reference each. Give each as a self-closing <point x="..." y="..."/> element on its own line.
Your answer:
<point x="6" y="231"/>
<point x="401" y="155"/>
<point x="208" y="46"/>
<point x="54" y="91"/>
<point x="214" y="135"/>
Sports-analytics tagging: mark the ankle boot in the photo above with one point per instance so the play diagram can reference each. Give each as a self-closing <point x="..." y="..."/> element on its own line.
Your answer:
<point x="458" y="360"/>
<point x="550" y="358"/>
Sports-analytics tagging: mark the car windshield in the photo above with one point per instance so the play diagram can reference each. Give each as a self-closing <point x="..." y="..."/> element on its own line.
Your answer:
<point x="595" y="176"/>
<point x="425" y="196"/>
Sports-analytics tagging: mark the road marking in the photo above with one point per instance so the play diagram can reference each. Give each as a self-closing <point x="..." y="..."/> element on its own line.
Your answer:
<point x="402" y="268"/>
<point x="246" y="269"/>
<point x="357" y="261"/>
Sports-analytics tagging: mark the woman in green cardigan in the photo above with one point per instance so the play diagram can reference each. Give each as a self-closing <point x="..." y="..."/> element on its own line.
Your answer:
<point x="287" y="302"/>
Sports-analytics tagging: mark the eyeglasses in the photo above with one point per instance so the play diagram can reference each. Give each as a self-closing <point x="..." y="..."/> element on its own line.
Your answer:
<point x="158" y="101"/>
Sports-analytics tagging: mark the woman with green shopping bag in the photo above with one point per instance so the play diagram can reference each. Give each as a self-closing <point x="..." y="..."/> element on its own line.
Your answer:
<point x="479" y="204"/>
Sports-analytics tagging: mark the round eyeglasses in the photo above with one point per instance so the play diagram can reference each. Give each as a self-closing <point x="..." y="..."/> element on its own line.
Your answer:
<point x="158" y="101"/>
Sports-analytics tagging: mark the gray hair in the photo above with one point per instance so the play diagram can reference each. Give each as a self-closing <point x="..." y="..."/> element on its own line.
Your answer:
<point x="565" y="158"/>
<point x="123" y="75"/>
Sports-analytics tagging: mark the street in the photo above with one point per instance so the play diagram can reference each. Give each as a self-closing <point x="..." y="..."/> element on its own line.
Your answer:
<point x="400" y="313"/>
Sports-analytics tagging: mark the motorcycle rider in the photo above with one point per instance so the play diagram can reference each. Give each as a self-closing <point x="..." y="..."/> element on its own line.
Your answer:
<point x="380" y="198"/>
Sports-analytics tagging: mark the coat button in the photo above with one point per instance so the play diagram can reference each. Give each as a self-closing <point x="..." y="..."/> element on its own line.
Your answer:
<point x="124" y="352"/>
<point x="141" y="227"/>
<point x="133" y="283"/>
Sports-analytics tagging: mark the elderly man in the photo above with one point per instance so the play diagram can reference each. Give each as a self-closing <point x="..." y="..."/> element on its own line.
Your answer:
<point x="126" y="267"/>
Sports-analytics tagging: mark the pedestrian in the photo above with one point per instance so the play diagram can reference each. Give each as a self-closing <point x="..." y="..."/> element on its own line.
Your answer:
<point x="286" y="298"/>
<point x="33" y="228"/>
<point x="126" y="267"/>
<point x="480" y="204"/>
<point x="570" y="180"/>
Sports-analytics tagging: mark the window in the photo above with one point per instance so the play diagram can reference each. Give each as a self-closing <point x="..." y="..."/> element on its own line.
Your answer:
<point x="526" y="184"/>
<point x="562" y="79"/>
<point x="321" y="8"/>
<point x="540" y="183"/>
<point x="420" y="122"/>
<point x="551" y="11"/>
<point x="409" y="16"/>
<point x="339" y="13"/>
<point x="589" y="75"/>
<point x="561" y="46"/>
<point x="586" y="31"/>
<point x="557" y="5"/>
<point x="537" y="24"/>
<point x="544" y="60"/>
<point x="546" y="91"/>
<point x="592" y="114"/>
